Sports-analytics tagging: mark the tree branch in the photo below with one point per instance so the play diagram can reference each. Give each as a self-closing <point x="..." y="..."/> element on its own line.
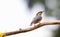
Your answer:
<point x="32" y="28"/>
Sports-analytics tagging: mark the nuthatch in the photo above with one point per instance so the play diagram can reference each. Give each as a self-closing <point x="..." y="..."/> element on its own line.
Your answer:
<point x="37" y="18"/>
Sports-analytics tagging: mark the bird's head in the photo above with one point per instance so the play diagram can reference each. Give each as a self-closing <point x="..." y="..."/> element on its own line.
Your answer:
<point x="40" y="13"/>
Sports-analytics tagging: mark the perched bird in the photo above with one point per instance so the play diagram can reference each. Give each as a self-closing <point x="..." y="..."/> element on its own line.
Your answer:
<point x="37" y="18"/>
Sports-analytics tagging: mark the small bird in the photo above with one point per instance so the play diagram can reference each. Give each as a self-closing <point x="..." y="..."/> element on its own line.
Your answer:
<point x="37" y="18"/>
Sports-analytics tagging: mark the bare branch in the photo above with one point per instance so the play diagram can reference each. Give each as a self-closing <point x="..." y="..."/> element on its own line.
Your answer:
<point x="32" y="28"/>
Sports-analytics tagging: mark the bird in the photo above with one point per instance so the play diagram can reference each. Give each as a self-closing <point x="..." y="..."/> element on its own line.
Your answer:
<point x="37" y="18"/>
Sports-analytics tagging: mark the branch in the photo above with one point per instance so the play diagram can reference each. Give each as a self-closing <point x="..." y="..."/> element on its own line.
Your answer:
<point x="32" y="28"/>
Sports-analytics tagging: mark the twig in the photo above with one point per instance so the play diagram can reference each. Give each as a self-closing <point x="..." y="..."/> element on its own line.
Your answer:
<point x="32" y="28"/>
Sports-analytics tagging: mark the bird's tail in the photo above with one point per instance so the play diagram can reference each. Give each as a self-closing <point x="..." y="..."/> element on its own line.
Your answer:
<point x="20" y="29"/>
<point x="31" y="24"/>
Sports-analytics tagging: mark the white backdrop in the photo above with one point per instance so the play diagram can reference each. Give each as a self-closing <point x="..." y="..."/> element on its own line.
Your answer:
<point x="13" y="15"/>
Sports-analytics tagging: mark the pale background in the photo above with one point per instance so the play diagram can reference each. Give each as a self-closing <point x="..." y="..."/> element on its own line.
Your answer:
<point x="14" y="15"/>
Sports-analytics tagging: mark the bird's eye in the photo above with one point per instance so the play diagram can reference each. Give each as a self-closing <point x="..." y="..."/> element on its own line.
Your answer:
<point x="39" y="14"/>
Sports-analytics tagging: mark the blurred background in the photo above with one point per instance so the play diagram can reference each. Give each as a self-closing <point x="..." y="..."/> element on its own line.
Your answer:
<point x="15" y="14"/>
